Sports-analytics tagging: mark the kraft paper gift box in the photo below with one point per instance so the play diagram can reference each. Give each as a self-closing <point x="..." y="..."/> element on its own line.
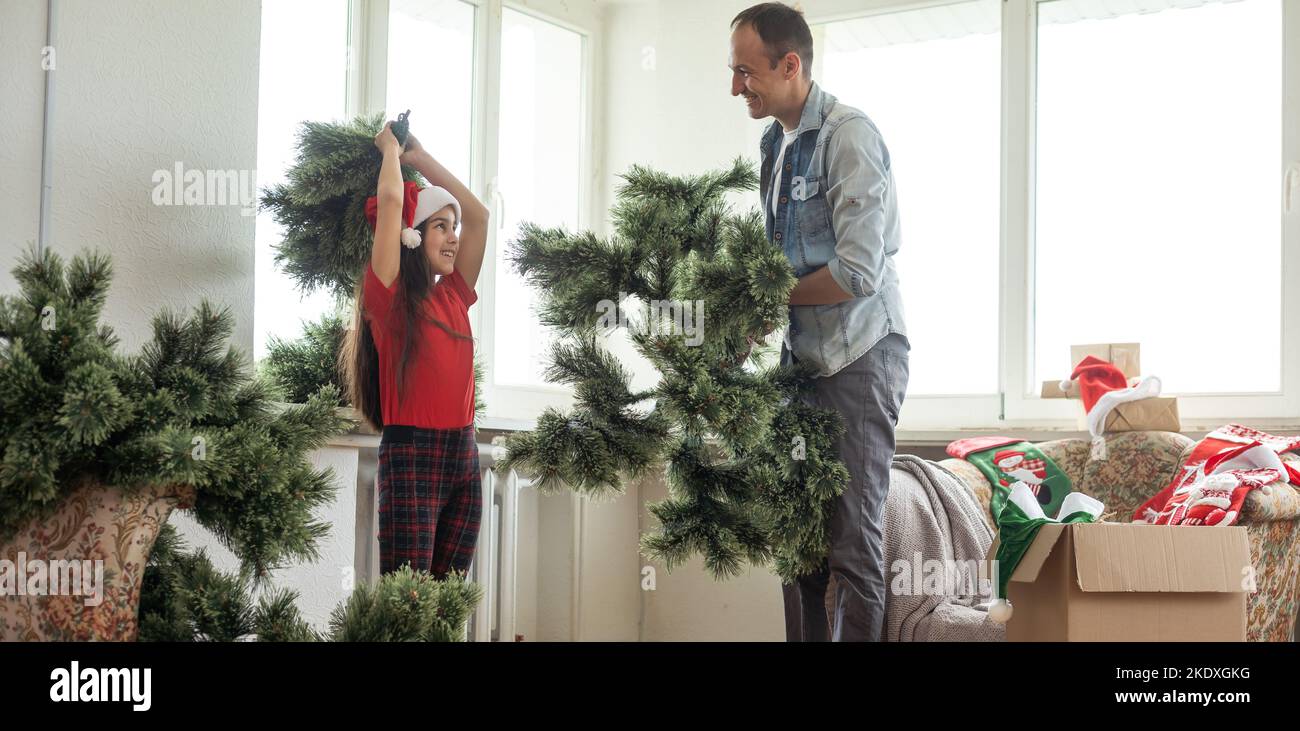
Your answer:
<point x="1149" y="414"/>
<point x="1124" y="356"/>
<point x="1052" y="389"/>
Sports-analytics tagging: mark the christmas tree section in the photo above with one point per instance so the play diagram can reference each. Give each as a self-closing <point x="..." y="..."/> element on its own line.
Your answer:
<point x="97" y="447"/>
<point x="186" y="599"/>
<point x="750" y="465"/>
<point x="321" y="206"/>
<point x="299" y="368"/>
<point x="326" y="240"/>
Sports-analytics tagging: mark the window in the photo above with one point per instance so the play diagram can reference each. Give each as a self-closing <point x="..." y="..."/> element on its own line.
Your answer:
<point x="1139" y="146"/>
<point x="539" y="175"/>
<point x="431" y="72"/>
<point x="1157" y="214"/>
<point x="302" y="75"/>
<point x="929" y="79"/>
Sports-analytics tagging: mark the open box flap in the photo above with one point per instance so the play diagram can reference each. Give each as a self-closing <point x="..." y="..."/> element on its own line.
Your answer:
<point x="1039" y="550"/>
<point x="1128" y="557"/>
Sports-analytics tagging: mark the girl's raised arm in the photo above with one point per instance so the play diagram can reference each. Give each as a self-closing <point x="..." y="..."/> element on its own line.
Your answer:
<point x="386" y="252"/>
<point x="473" y="227"/>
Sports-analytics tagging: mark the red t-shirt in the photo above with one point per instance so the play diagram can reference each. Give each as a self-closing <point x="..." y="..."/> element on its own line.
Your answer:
<point x="439" y="391"/>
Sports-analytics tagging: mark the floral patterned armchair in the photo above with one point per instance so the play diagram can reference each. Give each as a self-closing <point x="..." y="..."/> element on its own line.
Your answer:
<point x="1143" y="463"/>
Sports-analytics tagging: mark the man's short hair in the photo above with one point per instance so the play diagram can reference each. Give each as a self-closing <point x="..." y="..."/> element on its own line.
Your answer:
<point x="782" y="29"/>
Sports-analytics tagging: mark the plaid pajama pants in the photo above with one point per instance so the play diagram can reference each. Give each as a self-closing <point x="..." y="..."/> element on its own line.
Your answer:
<point x="430" y="499"/>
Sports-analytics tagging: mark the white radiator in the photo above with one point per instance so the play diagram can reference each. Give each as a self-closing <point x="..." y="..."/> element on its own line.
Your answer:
<point x="496" y="560"/>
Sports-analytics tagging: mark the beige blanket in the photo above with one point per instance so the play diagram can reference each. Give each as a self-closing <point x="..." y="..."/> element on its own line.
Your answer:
<point x="933" y="532"/>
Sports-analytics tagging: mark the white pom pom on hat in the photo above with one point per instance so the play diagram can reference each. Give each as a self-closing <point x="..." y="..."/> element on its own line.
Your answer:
<point x="417" y="205"/>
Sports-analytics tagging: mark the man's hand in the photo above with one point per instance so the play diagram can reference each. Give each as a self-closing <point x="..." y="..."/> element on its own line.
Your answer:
<point x="818" y="288"/>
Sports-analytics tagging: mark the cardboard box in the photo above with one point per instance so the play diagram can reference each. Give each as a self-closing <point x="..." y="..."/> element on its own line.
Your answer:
<point x="1125" y="356"/>
<point x="1148" y="414"/>
<point x="1129" y="582"/>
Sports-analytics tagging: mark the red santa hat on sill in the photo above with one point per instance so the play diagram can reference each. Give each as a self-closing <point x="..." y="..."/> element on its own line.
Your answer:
<point x="417" y="204"/>
<point x="1102" y="387"/>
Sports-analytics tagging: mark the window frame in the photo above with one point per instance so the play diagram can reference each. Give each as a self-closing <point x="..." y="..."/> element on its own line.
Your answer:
<point x="1018" y="404"/>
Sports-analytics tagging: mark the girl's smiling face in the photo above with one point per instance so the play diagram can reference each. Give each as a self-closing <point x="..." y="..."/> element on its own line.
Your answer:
<point x="440" y="240"/>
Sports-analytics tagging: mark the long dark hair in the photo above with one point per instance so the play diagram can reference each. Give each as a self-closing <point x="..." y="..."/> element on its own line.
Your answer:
<point x="359" y="357"/>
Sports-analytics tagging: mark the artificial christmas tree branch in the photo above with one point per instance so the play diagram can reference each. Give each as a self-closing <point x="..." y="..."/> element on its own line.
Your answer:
<point x="321" y="207"/>
<point x="184" y="411"/>
<point x="187" y="599"/>
<point x="751" y="467"/>
<point x="300" y="367"/>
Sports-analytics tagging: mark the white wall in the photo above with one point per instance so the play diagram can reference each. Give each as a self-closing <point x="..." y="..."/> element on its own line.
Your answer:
<point x="556" y="550"/>
<point x="609" y="604"/>
<point x="667" y="91"/>
<point x="139" y="86"/>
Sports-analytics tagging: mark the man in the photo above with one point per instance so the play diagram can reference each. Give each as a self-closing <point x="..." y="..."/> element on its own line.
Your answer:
<point x="830" y="203"/>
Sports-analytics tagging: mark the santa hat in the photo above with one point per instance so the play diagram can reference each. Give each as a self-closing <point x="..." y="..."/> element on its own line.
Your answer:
<point x="417" y="204"/>
<point x="1102" y="387"/>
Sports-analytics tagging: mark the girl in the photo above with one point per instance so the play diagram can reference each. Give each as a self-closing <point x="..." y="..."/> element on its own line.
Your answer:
<point x="409" y="360"/>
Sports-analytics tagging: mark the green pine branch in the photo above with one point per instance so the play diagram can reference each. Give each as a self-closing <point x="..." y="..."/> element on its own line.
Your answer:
<point x="751" y="468"/>
<point x="300" y="367"/>
<point x="182" y="411"/>
<point x="326" y="239"/>
<point x="185" y="598"/>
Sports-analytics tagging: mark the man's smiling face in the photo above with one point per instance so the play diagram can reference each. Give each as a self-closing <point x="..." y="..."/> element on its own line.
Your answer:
<point x="752" y="76"/>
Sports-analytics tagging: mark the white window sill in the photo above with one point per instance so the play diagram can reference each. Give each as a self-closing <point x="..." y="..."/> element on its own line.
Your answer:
<point x="363" y="437"/>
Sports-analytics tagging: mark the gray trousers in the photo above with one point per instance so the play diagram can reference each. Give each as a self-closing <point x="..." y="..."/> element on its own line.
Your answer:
<point x="868" y="394"/>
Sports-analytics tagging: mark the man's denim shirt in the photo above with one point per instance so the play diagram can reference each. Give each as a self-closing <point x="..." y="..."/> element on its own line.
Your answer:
<point x="836" y="208"/>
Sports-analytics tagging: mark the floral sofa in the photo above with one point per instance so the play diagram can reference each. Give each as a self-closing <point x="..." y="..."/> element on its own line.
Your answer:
<point x="1140" y="465"/>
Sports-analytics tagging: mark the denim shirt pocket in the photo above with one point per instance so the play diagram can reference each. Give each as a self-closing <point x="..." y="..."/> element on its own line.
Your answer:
<point x="816" y="236"/>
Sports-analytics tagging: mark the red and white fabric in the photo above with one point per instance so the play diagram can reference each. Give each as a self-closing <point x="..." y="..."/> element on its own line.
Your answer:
<point x="1221" y="470"/>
